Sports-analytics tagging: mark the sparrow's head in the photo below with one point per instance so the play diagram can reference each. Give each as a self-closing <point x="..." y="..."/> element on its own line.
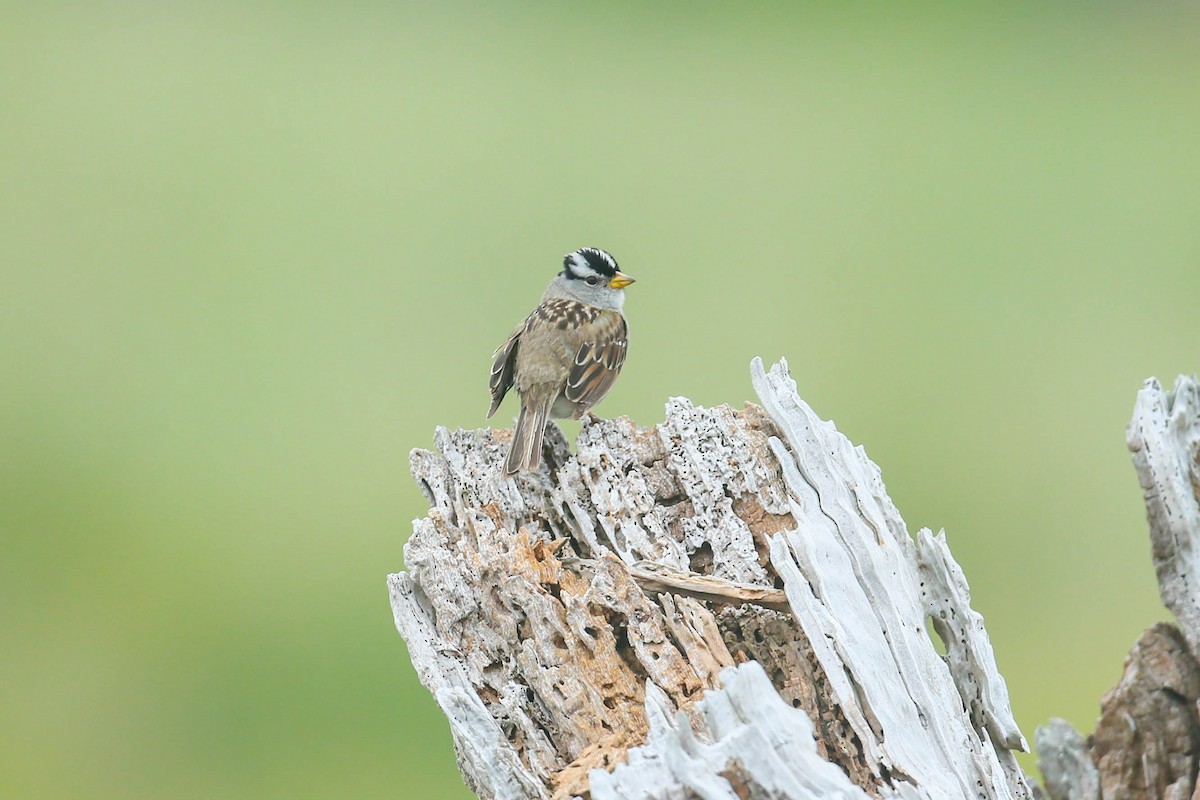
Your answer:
<point x="591" y="275"/>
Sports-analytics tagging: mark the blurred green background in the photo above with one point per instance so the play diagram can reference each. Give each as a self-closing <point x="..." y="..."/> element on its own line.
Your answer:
<point x="253" y="254"/>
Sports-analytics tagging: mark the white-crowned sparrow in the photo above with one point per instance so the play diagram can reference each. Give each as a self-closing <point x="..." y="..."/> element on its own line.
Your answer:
<point x="565" y="356"/>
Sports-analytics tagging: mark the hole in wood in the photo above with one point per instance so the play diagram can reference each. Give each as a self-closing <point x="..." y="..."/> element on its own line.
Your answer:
<point x="931" y="628"/>
<point x="701" y="559"/>
<point x="625" y="651"/>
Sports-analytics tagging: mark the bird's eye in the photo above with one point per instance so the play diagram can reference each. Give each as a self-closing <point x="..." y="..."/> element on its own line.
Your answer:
<point x="592" y="280"/>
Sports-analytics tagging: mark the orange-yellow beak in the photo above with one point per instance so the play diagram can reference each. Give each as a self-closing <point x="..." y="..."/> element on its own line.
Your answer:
<point x="620" y="281"/>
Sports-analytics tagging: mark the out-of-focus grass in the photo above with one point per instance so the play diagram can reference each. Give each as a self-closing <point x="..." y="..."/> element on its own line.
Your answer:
<point x="252" y="255"/>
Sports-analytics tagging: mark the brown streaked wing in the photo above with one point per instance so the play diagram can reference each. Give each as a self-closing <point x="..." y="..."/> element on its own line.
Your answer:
<point x="503" y="366"/>
<point x="597" y="363"/>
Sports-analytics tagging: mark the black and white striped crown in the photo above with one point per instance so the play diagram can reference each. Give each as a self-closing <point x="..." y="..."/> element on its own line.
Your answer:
<point x="589" y="261"/>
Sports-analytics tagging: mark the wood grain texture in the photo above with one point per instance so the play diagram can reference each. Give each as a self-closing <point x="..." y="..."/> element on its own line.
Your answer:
<point x="1147" y="740"/>
<point x="1148" y="736"/>
<point x="597" y="628"/>
<point x="1066" y="762"/>
<point x="1164" y="439"/>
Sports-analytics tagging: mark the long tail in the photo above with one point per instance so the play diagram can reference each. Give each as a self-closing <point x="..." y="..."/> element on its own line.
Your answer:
<point x="526" y="450"/>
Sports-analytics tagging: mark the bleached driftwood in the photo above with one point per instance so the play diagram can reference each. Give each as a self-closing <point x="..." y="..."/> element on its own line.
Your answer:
<point x="727" y="605"/>
<point x="1147" y="741"/>
<point x="1164" y="438"/>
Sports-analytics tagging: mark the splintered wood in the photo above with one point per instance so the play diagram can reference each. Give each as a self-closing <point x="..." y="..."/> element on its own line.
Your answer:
<point x="1164" y="439"/>
<point x="726" y="605"/>
<point x="1147" y="740"/>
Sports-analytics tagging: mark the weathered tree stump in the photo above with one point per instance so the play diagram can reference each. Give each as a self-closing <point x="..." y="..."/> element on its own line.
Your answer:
<point x="726" y="605"/>
<point x="1147" y="740"/>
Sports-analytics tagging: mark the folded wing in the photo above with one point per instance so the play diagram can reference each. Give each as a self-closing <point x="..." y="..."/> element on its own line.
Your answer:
<point x="597" y="362"/>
